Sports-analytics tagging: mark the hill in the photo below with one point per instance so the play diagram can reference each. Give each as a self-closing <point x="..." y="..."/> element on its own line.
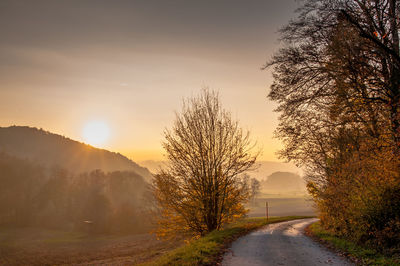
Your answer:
<point x="32" y="195"/>
<point x="50" y="149"/>
<point x="267" y="168"/>
<point x="152" y="165"/>
<point x="264" y="168"/>
<point x="283" y="182"/>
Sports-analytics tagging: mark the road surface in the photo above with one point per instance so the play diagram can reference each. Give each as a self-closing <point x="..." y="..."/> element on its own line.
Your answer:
<point x="280" y="244"/>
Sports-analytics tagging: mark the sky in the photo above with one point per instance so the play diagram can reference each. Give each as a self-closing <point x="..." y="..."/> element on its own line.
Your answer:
<point x="128" y="65"/>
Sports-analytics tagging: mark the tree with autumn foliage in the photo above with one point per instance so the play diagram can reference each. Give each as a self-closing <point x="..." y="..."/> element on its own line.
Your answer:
<point x="202" y="187"/>
<point x="337" y="83"/>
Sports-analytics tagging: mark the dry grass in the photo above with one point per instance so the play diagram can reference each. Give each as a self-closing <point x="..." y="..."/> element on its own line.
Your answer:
<point x="32" y="246"/>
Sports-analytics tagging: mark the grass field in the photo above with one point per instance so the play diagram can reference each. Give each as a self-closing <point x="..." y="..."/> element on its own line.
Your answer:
<point x="282" y="205"/>
<point x="33" y="246"/>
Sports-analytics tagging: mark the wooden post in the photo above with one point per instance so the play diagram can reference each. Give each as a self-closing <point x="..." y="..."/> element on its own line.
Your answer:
<point x="266" y="209"/>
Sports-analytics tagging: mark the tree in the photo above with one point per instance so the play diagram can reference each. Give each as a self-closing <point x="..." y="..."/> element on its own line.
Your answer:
<point x="334" y="80"/>
<point x="337" y="85"/>
<point x="254" y="189"/>
<point x="201" y="188"/>
<point x="342" y="53"/>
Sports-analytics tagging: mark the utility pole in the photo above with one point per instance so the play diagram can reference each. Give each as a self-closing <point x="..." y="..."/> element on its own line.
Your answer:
<point x="266" y="209"/>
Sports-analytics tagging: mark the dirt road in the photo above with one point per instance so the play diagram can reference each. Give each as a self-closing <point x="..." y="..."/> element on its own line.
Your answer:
<point x="280" y="244"/>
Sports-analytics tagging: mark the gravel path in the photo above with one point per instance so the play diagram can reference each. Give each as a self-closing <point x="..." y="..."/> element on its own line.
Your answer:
<point x="281" y="244"/>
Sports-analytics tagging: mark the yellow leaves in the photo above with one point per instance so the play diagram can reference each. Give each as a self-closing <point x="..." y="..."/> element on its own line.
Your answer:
<point x="194" y="213"/>
<point x="355" y="196"/>
<point x="312" y="189"/>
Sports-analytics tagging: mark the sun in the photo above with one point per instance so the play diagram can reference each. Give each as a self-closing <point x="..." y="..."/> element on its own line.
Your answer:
<point x="96" y="133"/>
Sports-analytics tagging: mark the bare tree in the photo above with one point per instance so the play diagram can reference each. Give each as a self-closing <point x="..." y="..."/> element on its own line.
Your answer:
<point x="254" y="189"/>
<point x="201" y="189"/>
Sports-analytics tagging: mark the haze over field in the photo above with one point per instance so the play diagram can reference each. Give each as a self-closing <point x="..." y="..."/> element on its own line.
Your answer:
<point x="262" y="171"/>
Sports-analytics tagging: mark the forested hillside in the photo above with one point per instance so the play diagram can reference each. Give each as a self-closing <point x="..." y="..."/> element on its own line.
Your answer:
<point x="31" y="195"/>
<point x="51" y="181"/>
<point x="50" y="149"/>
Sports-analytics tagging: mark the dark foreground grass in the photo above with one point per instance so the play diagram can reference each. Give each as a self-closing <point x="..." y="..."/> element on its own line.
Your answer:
<point x="360" y="255"/>
<point x="208" y="250"/>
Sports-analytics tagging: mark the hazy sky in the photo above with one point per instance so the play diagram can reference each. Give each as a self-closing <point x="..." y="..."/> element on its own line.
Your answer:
<point x="130" y="64"/>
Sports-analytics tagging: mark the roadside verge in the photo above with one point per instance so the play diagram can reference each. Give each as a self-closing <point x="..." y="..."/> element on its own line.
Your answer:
<point x="356" y="253"/>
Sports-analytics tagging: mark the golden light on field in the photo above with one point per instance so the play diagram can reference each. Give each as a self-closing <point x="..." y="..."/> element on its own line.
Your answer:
<point x="96" y="133"/>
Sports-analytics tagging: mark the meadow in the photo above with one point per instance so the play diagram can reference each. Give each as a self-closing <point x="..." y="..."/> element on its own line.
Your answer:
<point x="36" y="246"/>
<point x="282" y="205"/>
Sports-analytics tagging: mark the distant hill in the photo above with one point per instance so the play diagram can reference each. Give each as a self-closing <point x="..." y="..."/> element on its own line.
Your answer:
<point x="152" y="165"/>
<point x="281" y="182"/>
<point x="267" y="168"/>
<point x="50" y="149"/>
<point x="264" y="168"/>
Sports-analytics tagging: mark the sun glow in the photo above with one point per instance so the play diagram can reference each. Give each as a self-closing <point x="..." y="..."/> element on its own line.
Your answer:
<point x="96" y="133"/>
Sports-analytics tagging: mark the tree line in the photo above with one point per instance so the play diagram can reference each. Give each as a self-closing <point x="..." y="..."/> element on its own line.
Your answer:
<point x="94" y="202"/>
<point x="336" y="81"/>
